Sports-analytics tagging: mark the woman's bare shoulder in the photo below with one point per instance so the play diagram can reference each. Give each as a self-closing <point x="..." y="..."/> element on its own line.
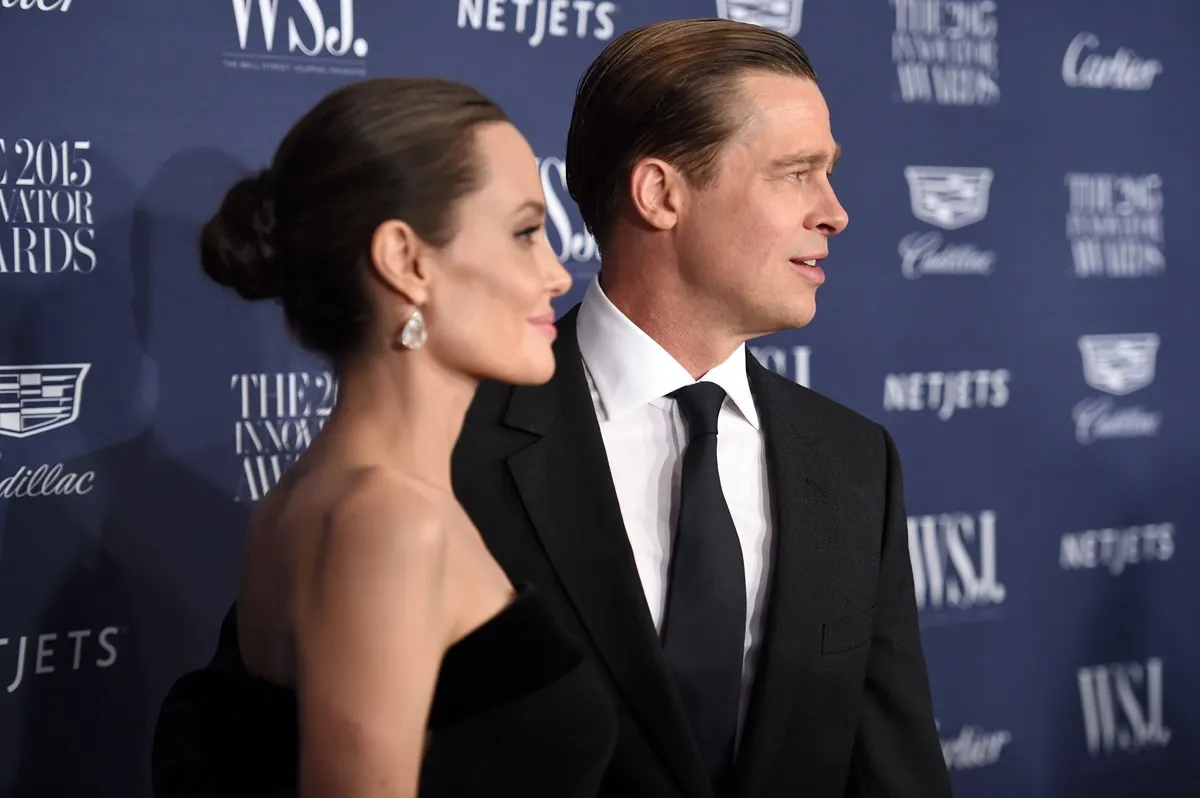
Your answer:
<point x="378" y="559"/>
<point x="378" y="503"/>
<point x="371" y="623"/>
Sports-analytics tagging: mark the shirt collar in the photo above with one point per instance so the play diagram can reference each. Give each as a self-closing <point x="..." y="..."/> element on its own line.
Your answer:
<point x="629" y="369"/>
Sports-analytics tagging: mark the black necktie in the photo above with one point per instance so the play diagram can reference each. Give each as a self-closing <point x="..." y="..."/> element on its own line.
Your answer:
<point x="704" y="627"/>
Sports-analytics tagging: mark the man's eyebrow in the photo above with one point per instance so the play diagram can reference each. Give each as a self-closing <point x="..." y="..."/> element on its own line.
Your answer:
<point x="809" y="159"/>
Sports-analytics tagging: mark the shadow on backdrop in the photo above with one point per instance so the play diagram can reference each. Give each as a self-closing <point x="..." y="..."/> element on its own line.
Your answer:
<point x="154" y="559"/>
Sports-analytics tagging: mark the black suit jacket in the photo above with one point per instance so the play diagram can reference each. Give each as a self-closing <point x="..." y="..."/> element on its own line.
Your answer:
<point x="840" y="706"/>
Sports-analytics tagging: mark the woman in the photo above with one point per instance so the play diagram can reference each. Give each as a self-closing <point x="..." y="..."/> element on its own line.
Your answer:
<point x="380" y="650"/>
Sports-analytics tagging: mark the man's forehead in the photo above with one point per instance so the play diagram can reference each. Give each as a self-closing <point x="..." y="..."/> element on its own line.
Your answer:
<point x="797" y="137"/>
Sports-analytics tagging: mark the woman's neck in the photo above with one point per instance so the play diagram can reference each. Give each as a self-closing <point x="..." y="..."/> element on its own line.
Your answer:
<point x="400" y="410"/>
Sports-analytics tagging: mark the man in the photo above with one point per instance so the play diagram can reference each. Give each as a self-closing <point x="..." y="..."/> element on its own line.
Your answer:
<point x="729" y="548"/>
<point x="770" y="608"/>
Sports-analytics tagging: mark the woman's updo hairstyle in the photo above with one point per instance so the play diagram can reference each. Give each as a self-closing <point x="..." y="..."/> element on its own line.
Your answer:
<point x="300" y="231"/>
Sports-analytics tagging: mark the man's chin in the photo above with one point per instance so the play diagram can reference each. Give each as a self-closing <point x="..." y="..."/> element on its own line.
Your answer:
<point x="800" y="316"/>
<point x="794" y="320"/>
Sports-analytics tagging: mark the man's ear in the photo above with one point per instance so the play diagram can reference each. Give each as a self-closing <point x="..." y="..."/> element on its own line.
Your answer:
<point x="656" y="192"/>
<point x="398" y="259"/>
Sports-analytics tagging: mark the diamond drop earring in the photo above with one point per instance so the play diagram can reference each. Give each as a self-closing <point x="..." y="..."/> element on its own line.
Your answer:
<point x="414" y="334"/>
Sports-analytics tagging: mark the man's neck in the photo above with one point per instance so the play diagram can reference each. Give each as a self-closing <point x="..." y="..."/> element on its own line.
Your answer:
<point x="664" y="315"/>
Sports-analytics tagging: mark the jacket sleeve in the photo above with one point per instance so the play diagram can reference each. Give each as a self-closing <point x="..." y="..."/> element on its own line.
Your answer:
<point x="896" y="753"/>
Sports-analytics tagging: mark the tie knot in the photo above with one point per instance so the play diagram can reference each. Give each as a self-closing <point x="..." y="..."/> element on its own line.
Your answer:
<point x="700" y="403"/>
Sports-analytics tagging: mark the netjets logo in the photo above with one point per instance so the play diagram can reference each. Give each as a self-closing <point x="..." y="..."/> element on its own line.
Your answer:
<point x="540" y="20"/>
<point x="780" y="15"/>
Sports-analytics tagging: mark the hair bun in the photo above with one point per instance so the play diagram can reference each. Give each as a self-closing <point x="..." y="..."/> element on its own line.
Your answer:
<point x="237" y="245"/>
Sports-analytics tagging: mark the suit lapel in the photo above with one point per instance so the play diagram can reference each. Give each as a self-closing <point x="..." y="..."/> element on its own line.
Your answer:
<point x="803" y="528"/>
<point x="567" y="488"/>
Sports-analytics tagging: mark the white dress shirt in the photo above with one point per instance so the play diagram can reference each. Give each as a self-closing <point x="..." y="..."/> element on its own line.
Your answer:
<point x="645" y="436"/>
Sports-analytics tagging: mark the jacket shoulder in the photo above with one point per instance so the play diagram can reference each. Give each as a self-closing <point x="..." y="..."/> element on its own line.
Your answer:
<point x="853" y="436"/>
<point x="819" y="407"/>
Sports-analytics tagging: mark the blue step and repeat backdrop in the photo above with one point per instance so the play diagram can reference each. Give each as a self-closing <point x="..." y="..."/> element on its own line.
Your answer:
<point x="1014" y="299"/>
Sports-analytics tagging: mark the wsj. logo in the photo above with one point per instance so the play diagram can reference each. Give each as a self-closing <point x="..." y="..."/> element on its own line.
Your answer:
<point x="973" y="747"/>
<point x="318" y="37"/>
<point x="791" y="362"/>
<point x="37" y="5"/>
<point x="779" y="15"/>
<point x="1117" y="365"/>
<point x="946" y="391"/>
<point x="1115" y="548"/>
<point x="1122" y="706"/>
<point x="949" y="198"/>
<point x="548" y="18"/>
<point x="48" y="653"/>
<point x="954" y="561"/>
<point x="571" y="243"/>
<point x="1123" y="71"/>
<point x="278" y="417"/>
<point x="49" y="207"/>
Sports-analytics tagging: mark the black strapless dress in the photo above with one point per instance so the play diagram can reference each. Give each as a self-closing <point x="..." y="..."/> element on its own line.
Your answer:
<point x="517" y="713"/>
